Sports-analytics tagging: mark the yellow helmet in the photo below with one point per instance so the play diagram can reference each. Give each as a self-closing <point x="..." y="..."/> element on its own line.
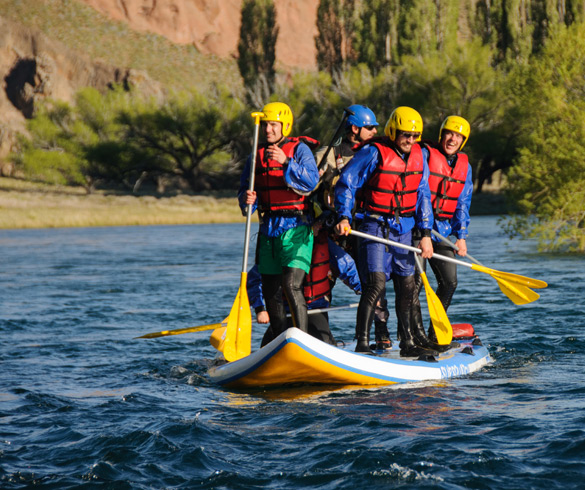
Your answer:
<point x="458" y="125"/>
<point x="279" y="111"/>
<point x="404" y="119"/>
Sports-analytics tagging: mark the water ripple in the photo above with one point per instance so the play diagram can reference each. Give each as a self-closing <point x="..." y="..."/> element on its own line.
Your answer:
<point x="85" y="405"/>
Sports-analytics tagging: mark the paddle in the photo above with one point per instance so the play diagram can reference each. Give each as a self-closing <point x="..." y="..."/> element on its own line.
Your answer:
<point x="515" y="279"/>
<point x="238" y="338"/>
<point x="323" y="161"/>
<point x="439" y="319"/>
<point x="518" y="293"/>
<point x="179" y="331"/>
<point x="213" y="326"/>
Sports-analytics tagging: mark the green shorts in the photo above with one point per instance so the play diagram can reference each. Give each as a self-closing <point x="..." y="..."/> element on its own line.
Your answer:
<point x="294" y="248"/>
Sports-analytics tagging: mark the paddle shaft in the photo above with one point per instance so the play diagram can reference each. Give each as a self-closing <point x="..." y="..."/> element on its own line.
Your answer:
<point x="418" y="264"/>
<point x="331" y="308"/>
<point x="453" y="246"/>
<point x="213" y="326"/>
<point x="407" y="247"/>
<point x="346" y="114"/>
<point x="256" y="116"/>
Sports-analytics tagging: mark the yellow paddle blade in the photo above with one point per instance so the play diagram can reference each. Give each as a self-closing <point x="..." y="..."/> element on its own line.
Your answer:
<point x="510" y="277"/>
<point x="441" y="323"/>
<point x="518" y="294"/>
<point x="217" y="338"/>
<point x="179" y="331"/>
<point x="238" y="338"/>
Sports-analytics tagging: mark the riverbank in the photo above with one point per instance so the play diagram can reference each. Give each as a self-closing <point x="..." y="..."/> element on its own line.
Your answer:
<point x="25" y="204"/>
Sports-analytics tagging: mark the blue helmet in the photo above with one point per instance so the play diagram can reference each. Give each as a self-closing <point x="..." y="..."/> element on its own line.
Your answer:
<point x="362" y="116"/>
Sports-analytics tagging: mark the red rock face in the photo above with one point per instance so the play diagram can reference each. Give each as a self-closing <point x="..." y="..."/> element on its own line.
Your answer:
<point x="35" y="67"/>
<point x="213" y="26"/>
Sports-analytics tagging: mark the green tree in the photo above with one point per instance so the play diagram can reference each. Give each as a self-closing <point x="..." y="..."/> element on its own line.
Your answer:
<point x="257" y="49"/>
<point x="349" y="11"/>
<point x="329" y="40"/>
<point x="190" y="136"/>
<point x="60" y="149"/>
<point x="520" y="28"/>
<point x="418" y="27"/>
<point x="547" y="182"/>
<point x="313" y="100"/>
<point x="463" y="81"/>
<point x="335" y="20"/>
<point x="376" y="35"/>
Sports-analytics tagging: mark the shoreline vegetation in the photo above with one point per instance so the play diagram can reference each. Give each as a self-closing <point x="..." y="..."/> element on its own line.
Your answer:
<point x="25" y="204"/>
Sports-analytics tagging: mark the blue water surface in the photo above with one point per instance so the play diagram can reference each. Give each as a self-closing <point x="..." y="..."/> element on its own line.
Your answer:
<point x="83" y="404"/>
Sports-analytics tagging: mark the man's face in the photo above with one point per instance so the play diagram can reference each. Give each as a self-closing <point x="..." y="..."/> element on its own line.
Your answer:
<point x="362" y="134"/>
<point x="272" y="131"/>
<point x="404" y="141"/>
<point x="451" y="142"/>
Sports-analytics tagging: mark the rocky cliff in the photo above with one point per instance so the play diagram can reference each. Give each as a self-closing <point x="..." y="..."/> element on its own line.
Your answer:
<point x="34" y="66"/>
<point x="213" y="26"/>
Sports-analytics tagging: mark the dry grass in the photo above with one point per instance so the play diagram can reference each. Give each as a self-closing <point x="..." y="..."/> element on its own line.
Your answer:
<point x="26" y="204"/>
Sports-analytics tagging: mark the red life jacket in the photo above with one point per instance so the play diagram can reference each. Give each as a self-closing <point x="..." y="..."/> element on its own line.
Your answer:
<point x="446" y="182"/>
<point x="274" y="197"/>
<point x="392" y="188"/>
<point x="317" y="283"/>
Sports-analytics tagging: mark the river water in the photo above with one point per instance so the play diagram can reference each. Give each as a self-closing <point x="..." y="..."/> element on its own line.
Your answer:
<point x="85" y="405"/>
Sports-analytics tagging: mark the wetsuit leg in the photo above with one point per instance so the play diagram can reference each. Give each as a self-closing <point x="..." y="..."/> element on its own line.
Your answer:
<point x="371" y="293"/>
<point x="381" y="315"/>
<point x="268" y="336"/>
<point x="418" y="330"/>
<point x="446" y="274"/>
<point x="372" y="262"/>
<point x="405" y="291"/>
<point x="319" y="327"/>
<point x="272" y="291"/>
<point x="292" y="285"/>
<point x="418" y="285"/>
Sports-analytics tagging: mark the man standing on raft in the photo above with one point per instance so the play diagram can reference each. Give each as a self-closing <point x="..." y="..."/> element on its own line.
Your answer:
<point x="392" y="179"/>
<point x="285" y="175"/>
<point x="451" y="185"/>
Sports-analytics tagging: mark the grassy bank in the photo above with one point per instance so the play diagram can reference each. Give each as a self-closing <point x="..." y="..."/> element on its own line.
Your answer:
<point x="25" y="204"/>
<point x="30" y="205"/>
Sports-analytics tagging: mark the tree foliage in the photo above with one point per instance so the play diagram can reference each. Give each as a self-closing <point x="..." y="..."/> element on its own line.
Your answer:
<point x="118" y="137"/>
<point x="387" y="30"/>
<point x="63" y="136"/>
<point x="334" y="42"/>
<point x="329" y="40"/>
<point x="189" y="136"/>
<point x="547" y="181"/>
<point x="257" y="48"/>
<point x="376" y="37"/>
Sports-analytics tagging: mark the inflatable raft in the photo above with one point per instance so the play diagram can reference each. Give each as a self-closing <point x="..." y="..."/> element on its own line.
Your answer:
<point x="295" y="357"/>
